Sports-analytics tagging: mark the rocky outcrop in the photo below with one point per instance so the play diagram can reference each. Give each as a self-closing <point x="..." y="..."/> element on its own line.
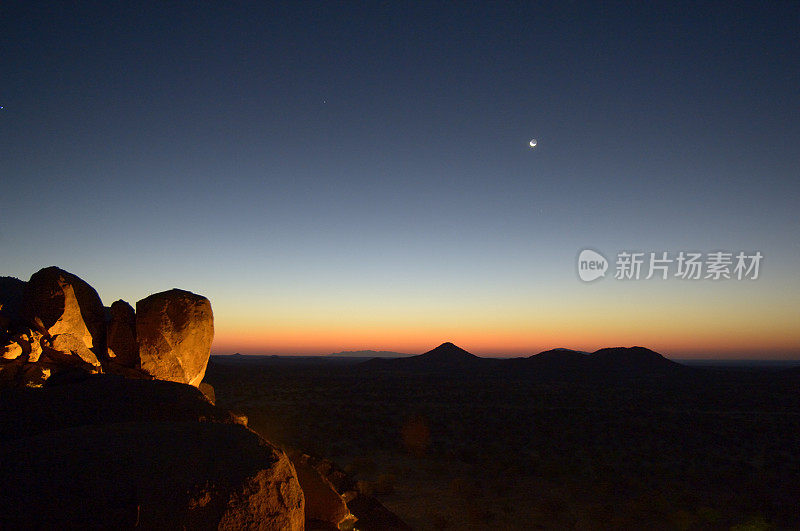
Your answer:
<point x="322" y="509"/>
<point x="174" y="330"/>
<point x="323" y="503"/>
<point x="107" y="452"/>
<point x="121" y="339"/>
<point x="31" y="342"/>
<point x="142" y="445"/>
<point x="57" y="322"/>
<point x="81" y="449"/>
<point x="102" y="399"/>
<point x="11" y="350"/>
<point x="208" y="392"/>
<point x="173" y="476"/>
<point x="67" y="349"/>
<point x="29" y="359"/>
<point x="62" y="303"/>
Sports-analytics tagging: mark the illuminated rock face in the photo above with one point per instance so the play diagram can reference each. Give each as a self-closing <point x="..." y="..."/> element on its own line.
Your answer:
<point x="122" y="347"/>
<point x="98" y="451"/>
<point x="174" y="330"/>
<point x="11" y="350"/>
<point x="69" y="350"/>
<point x="65" y="304"/>
<point x="60" y="318"/>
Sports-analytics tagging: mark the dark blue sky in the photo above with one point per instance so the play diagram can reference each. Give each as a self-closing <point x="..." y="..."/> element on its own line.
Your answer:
<point x="346" y="147"/>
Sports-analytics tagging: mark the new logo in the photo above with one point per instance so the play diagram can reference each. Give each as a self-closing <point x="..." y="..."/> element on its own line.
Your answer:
<point x="591" y="265"/>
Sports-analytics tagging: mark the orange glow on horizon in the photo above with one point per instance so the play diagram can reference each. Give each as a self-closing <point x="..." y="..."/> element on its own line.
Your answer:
<point x="496" y="341"/>
<point x="696" y="322"/>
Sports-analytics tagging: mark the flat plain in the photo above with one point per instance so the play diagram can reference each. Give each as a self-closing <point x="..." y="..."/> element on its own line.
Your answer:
<point x="494" y="446"/>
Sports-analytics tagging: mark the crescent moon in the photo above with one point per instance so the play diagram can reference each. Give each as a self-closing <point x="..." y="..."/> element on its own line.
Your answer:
<point x="533" y="143"/>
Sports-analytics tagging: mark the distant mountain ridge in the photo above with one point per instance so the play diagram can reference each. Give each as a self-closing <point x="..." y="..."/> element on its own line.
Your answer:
<point x="447" y="355"/>
<point x="628" y="356"/>
<point x="555" y="362"/>
<point x="605" y="361"/>
<point x="560" y="355"/>
<point x="369" y="354"/>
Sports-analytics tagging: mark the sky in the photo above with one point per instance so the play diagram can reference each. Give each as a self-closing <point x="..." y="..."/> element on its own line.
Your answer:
<point x="357" y="175"/>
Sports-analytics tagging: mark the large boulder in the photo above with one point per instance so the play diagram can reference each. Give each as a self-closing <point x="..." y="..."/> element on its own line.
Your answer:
<point x="121" y="336"/>
<point x="62" y="303"/>
<point x="102" y="399"/>
<point x="104" y="452"/>
<point x="152" y="475"/>
<point x="174" y="330"/>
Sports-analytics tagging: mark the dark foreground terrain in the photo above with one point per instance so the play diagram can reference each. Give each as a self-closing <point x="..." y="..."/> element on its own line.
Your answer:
<point x="479" y="445"/>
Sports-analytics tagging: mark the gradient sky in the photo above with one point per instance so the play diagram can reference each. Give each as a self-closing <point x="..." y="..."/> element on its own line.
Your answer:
<point x="343" y="176"/>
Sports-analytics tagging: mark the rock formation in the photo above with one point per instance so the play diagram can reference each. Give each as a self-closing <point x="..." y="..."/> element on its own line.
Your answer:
<point x="122" y="346"/>
<point x="107" y="452"/>
<point x="11" y="351"/>
<point x="323" y="503"/>
<point x="69" y="350"/>
<point x="369" y="513"/>
<point x="64" y="304"/>
<point x="105" y="422"/>
<point x="57" y="322"/>
<point x="174" y="330"/>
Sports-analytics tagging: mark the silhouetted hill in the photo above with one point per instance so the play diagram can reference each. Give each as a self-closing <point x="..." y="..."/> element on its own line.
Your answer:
<point x="560" y="355"/>
<point x="369" y="354"/>
<point x="616" y="361"/>
<point x="446" y="353"/>
<point x="614" y="358"/>
<point x="631" y="359"/>
<point x="446" y="356"/>
<point x="559" y="350"/>
<point x="559" y="363"/>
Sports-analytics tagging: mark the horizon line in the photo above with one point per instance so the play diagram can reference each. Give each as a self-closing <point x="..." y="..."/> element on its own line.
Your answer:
<point x="707" y="358"/>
